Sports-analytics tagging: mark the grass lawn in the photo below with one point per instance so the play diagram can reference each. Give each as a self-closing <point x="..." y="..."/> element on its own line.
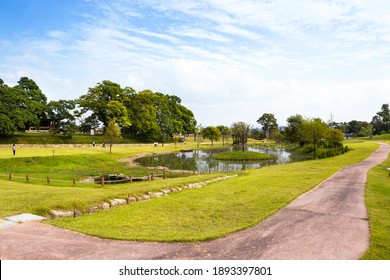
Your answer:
<point x="217" y="209"/>
<point x="17" y="198"/>
<point x="378" y="204"/>
<point x="68" y="163"/>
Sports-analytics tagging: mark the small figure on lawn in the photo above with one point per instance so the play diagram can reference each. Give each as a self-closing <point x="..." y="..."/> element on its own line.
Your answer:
<point x="14" y="149"/>
<point x="104" y="145"/>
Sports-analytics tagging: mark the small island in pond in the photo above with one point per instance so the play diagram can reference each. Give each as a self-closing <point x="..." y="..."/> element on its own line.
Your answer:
<point x="242" y="156"/>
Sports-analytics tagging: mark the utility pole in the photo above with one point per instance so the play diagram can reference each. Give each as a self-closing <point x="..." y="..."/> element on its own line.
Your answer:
<point x="331" y="119"/>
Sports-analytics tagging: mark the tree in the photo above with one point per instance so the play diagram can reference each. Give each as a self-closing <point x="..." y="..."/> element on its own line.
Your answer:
<point x="335" y="137"/>
<point x="212" y="133"/>
<point x="172" y="117"/>
<point x="86" y="124"/>
<point x="225" y="132"/>
<point x="381" y="121"/>
<point x="313" y="131"/>
<point x="35" y="100"/>
<point x="240" y="131"/>
<point x="268" y="123"/>
<point x="20" y="106"/>
<point x="105" y="100"/>
<point x="112" y="132"/>
<point x="142" y="113"/>
<point x="59" y="112"/>
<point x="293" y="131"/>
<point x="256" y="133"/>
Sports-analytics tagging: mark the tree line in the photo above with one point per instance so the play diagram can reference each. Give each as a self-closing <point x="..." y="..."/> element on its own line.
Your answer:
<point x="144" y="115"/>
<point x="305" y="132"/>
<point x="154" y="116"/>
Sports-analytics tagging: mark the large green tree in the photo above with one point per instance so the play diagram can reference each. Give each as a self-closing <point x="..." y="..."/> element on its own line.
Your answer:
<point x="240" y="132"/>
<point x="313" y="131"/>
<point x="268" y="123"/>
<point x="225" y="133"/>
<point x="172" y="117"/>
<point x="212" y="133"/>
<point x="62" y="116"/>
<point x="105" y="101"/>
<point x="142" y="113"/>
<point x="381" y="121"/>
<point x="21" y="106"/>
<point x="293" y="131"/>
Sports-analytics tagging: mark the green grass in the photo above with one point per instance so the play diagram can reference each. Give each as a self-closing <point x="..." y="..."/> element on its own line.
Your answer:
<point x="242" y="156"/>
<point x="378" y="204"/>
<point x="216" y="209"/>
<point x="17" y="198"/>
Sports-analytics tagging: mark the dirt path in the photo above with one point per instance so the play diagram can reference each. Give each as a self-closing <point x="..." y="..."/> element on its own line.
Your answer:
<point x="329" y="222"/>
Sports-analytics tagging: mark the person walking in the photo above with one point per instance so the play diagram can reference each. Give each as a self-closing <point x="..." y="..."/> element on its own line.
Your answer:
<point x="14" y="149"/>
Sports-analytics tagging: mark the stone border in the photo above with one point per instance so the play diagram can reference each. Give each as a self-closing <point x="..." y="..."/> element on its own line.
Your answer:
<point x="55" y="214"/>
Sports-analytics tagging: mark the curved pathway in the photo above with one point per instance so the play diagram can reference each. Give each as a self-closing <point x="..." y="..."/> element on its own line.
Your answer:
<point x="329" y="222"/>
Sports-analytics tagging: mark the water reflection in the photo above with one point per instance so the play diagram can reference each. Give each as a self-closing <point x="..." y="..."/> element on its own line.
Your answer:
<point x="202" y="161"/>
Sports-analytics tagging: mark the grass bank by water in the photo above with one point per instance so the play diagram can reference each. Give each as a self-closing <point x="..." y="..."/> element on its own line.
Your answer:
<point x="242" y="156"/>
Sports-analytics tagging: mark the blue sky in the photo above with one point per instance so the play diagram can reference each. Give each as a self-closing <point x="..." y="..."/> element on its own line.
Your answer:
<point x="228" y="60"/>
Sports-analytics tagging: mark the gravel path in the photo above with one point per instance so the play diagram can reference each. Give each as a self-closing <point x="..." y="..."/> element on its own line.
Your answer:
<point x="329" y="222"/>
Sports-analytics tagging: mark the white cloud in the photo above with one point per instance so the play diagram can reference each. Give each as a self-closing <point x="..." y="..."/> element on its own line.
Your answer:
<point x="227" y="60"/>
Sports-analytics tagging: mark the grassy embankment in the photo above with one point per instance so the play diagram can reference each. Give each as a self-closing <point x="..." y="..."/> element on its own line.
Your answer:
<point x="17" y="196"/>
<point x="242" y="156"/>
<point x="216" y="209"/>
<point x="378" y="205"/>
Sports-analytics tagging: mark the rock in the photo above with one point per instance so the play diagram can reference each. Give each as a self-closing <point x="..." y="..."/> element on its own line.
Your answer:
<point x="105" y="206"/>
<point x="159" y="194"/>
<point x="152" y="194"/>
<point x="121" y="201"/>
<point x="131" y="199"/>
<point x="61" y="214"/>
<point x="78" y="213"/>
<point x="93" y="209"/>
<point x="114" y="203"/>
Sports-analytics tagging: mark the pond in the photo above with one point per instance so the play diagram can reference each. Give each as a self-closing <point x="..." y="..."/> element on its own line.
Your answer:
<point x="202" y="161"/>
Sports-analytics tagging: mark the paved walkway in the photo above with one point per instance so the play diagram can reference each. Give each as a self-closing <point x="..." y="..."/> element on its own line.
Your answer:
<point x="329" y="222"/>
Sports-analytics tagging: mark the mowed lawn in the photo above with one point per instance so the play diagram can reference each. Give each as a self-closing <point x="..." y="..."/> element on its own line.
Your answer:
<point x="378" y="204"/>
<point x="217" y="209"/>
<point x="67" y="163"/>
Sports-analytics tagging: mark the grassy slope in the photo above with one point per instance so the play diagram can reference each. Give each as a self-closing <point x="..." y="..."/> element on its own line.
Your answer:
<point x="68" y="163"/>
<point x="217" y="209"/>
<point x="16" y="198"/>
<point x="378" y="204"/>
<point x="242" y="155"/>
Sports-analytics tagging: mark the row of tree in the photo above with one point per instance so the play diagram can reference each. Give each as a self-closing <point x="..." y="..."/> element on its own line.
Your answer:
<point x="299" y="130"/>
<point x="144" y="115"/>
<point x="154" y="116"/>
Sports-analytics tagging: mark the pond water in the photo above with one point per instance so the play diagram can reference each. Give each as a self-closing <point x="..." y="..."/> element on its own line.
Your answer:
<point x="202" y="160"/>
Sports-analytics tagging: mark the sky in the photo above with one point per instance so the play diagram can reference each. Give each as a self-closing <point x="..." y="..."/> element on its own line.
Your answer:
<point x="228" y="60"/>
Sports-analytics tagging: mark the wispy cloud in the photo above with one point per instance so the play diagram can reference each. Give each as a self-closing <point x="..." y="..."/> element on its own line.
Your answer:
<point x="244" y="57"/>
